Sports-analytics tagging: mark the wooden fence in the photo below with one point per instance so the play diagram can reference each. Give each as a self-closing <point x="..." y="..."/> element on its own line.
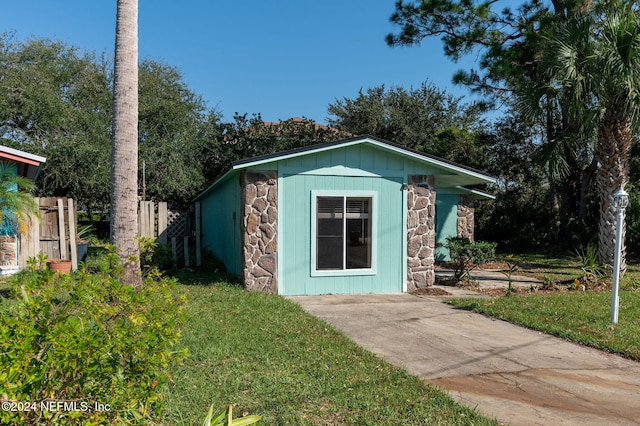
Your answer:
<point x="176" y="229"/>
<point x="55" y="236"/>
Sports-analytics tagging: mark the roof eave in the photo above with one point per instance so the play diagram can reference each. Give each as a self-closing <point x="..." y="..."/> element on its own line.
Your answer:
<point x="478" y="195"/>
<point x="380" y="143"/>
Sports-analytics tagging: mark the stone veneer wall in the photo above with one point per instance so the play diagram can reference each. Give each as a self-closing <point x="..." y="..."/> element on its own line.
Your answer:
<point x="8" y="248"/>
<point x="466" y="222"/>
<point x="259" y="230"/>
<point x="421" y="231"/>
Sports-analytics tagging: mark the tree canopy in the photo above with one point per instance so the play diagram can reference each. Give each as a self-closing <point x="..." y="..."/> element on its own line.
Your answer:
<point x="516" y="48"/>
<point x="426" y="118"/>
<point x="56" y="101"/>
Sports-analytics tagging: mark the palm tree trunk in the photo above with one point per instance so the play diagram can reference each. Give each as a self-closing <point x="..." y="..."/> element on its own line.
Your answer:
<point x="124" y="156"/>
<point x="615" y="139"/>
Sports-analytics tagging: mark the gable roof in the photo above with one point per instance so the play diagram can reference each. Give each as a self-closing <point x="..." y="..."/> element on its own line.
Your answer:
<point x="454" y="168"/>
<point x="29" y="165"/>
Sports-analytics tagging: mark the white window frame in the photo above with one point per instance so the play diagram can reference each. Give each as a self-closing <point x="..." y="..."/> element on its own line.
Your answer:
<point x="374" y="232"/>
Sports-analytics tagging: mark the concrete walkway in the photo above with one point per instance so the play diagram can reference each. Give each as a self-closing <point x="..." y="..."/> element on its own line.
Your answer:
<point x="518" y="376"/>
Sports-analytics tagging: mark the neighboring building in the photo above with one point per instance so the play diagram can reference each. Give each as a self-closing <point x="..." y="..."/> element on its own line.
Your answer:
<point x="26" y="165"/>
<point x="360" y="215"/>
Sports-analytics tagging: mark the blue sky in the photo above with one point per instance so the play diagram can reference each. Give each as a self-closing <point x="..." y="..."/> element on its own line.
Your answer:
<point x="280" y="58"/>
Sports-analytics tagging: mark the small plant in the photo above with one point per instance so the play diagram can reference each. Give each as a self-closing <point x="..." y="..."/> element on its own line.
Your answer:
<point x="37" y="263"/>
<point x="592" y="271"/>
<point x="512" y="267"/>
<point x="84" y="231"/>
<point x="548" y="284"/>
<point x="465" y="254"/>
<point x="225" y="418"/>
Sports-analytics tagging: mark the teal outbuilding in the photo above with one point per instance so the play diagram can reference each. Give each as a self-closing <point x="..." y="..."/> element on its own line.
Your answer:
<point x="359" y="215"/>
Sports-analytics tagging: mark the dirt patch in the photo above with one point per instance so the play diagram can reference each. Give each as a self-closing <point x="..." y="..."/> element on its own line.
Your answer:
<point x="430" y="291"/>
<point x="547" y="389"/>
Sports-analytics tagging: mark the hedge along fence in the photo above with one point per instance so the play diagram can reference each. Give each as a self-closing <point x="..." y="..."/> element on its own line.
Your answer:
<point x="175" y="229"/>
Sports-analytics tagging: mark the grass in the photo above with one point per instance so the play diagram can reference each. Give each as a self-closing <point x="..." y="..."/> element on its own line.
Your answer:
<point x="583" y="317"/>
<point x="267" y="356"/>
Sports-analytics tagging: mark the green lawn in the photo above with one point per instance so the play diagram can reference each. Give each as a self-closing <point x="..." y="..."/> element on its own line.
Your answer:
<point x="267" y="356"/>
<point x="583" y="317"/>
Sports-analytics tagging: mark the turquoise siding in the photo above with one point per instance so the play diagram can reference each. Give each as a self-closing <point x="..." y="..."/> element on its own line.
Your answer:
<point x="296" y="236"/>
<point x="352" y="168"/>
<point x="446" y="222"/>
<point x="357" y="167"/>
<point x="221" y="224"/>
<point x="6" y="226"/>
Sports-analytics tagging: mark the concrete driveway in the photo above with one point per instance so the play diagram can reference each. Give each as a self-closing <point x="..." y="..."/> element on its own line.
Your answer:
<point x="518" y="376"/>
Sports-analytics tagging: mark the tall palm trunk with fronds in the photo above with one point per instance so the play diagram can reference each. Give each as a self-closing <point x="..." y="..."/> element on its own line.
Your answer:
<point x="124" y="156"/>
<point x="615" y="139"/>
<point x="594" y="59"/>
<point x="617" y="83"/>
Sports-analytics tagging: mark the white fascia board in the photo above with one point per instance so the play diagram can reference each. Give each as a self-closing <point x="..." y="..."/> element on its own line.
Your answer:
<point x="435" y="162"/>
<point x="217" y="182"/>
<point x="479" y="194"/>
<point x="18" y="153"/>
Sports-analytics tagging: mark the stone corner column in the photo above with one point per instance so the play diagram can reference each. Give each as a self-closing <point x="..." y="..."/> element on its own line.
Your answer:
<point x="421" y="231"/>
<point x="259" y="230"/>
<point x="466" y="214"/>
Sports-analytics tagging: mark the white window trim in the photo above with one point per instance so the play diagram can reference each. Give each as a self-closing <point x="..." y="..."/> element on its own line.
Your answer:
<point x="374" y="232"/>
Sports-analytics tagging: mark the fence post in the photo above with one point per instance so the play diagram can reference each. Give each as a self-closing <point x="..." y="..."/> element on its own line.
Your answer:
<point x="151" y="221"/>
<point x="71" y="212"/>
<point x="34" y="237"/>
<point x="174" y="249"/>
<point x="62" y="231"/>
<point x="29" y="244"/>
<point x="162" y="222"/>
<point x="186" y="252"/>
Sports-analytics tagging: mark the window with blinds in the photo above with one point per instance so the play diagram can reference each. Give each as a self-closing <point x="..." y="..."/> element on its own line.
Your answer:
<point x="343" y="233"/>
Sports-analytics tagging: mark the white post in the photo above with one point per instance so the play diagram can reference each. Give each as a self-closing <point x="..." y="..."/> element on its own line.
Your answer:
<point x="620" y="201"/>
<point x="71" y="215"/>
<point x="616" y="269"/>
<point x="62" y="232"/>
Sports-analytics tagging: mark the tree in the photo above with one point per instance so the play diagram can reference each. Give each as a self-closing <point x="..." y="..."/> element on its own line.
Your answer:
<point x="595" y="61"/>
<point x="426" y="119"/>
<point x="173" y="135"/>
<point x="56" y="101"/>
<point x="508" y="44"/>
<point x="248" y="137"/>
<point x="16" y="202"/>
<point x="521" y="191"/>
<point x="124" y="157"/>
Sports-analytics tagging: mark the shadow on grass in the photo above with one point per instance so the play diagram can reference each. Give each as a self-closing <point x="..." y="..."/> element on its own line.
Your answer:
<point x="203" y="276"/>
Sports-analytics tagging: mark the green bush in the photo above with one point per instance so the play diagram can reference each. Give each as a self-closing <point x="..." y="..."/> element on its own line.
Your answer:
<point x="154" y="255"/>
<point x="86" y="349"/>
<point x="465" y="254"/>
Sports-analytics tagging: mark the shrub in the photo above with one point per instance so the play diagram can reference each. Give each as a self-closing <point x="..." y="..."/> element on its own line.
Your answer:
<point x="154" y="255"/>
<point x="592" y="271"/>
<point x="465" y="254"/>
<point x="97" y="348"/>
